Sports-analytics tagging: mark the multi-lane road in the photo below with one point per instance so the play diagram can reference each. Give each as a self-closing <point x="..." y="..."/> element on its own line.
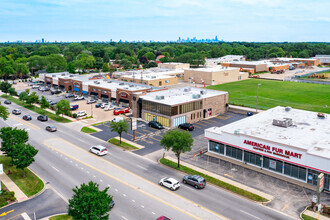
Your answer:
<point x="64" y="162"/>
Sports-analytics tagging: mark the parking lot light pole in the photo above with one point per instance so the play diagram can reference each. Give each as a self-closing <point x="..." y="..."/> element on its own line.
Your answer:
<point x="259" y="84"/>
<point x="92" y="109"/>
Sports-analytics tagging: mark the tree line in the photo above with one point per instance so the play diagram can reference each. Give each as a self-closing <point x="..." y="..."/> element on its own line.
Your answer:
<point x="18" y="60"/>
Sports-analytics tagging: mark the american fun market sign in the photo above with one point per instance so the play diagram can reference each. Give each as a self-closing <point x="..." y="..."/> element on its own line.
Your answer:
<point x="273" y="150"/>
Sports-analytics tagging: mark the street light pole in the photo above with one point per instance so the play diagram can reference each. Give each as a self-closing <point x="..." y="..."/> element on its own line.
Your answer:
<point x="259" y="84"/>
<point x="92" y="109"/>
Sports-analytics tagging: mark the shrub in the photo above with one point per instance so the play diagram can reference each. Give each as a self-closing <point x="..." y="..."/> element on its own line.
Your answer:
<point x="74" y="115"/>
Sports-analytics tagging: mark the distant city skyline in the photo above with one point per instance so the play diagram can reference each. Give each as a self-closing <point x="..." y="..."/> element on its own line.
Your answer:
<point x="131" y="20"/>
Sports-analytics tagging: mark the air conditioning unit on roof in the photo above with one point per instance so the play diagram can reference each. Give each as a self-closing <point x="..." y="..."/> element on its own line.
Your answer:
<point x="159" y="97"/>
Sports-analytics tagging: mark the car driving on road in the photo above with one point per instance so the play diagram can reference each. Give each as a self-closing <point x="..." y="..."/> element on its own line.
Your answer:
<point x="186" y="126"/>
<point x="196" y="181"/>
<point x="98" y="150"/>
<point x="42" y="118"/>
<point x="27" y="117"/>
<point x="7" y="102"/>
<point x="16" y="112"/>
<point x="51" y="128"/>
<point x="170" y="183"/>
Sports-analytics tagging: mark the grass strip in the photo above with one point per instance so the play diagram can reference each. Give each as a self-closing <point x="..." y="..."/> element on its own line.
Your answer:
<point x="100" y="123"/>
<point x="88" y="130"/>
<point x="214" y="181"/>
<point x="37" y="109"/>
<point x="123" y="144"/>
<point x="87" y="117"/>
<point x="61" y="217"/>
<point x="307" y="217"/>
<point x="30" y="184"/>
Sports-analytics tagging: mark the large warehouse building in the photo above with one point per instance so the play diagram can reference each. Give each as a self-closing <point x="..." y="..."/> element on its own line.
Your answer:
<point x="289" y="143"/>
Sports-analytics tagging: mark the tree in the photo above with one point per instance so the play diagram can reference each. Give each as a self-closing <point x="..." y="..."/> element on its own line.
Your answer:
<point x="12" y="91"/>
<point x="152" y="64"/>
<point x="43" y="103"/>
<point x="178" y="141"/>
<point x="304" y="54"/>
<point x="23" y="155"/>
<point x="5" y="86"/>
<point x="21" y="69"/>
<point x="4" y="114"/>
<point x="150" y="56"/>
<point x="56" y="63"/>
<point x="126" y="63"/>
<point x="84" y="61"/>
<point x="23" y="96"/>
<point x="105" y="68"/>
<point x="36" y="63"/>
<point x="71" y="68"/>
<point x="63" y="107"/>
<point x="11" y="137"/>
<point x="47" y="50"/>
<point x="33" y="98"/>
<point x="143" y="60"/>
<point x="119" y="127"/>
<point x="88" y="202"/>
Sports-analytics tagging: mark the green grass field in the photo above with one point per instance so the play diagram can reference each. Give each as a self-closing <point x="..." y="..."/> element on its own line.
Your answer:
<point x="88" y="130"/>
<point x="307" y="96"/>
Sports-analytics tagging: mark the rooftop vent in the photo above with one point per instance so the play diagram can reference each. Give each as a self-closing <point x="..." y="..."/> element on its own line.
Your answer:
<point x="285" y="122"/>
<point x="121" y="84"/>
<point x="63" y="74"/>
<point x="71" y="75"/>
<point x="187" y="89"/>
<point x="53" y="75"/>
<point x="131" y="86"/>
<point x="239" y="131"/>
<point x="288" y="108"/>
<point x="203" y="92"/>
<point x="153" y="77"/>
<point x="196" y="96"/>
<point x="159" y="97"/>
<point x="109" y="81"/>
<point x="125" y="87"/>
<point x="96" y="82"/>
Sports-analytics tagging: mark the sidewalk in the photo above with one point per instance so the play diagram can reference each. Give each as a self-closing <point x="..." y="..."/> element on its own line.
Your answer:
<point x="315" y="215"/>
<point x="224" y="179"/>
<point x="20" y="196"/>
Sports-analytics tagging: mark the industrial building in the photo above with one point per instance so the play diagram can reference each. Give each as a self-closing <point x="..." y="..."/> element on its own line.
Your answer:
<point x="150" y="79"/>
<point x="324" y="59"/>
<point x="214" y="76"/>
<point x="303" y="61"/>
<point x="174" y="66"/>
<point x="212" y="62"/>
<point x="284" y="142"/>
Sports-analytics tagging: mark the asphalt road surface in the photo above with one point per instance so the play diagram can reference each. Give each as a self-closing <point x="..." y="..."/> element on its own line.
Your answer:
<point x="64" y="161"/>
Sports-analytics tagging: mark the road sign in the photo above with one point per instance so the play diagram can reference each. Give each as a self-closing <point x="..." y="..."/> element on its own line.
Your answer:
<point x="134" y="124"/>
<point x="320" y="182"/>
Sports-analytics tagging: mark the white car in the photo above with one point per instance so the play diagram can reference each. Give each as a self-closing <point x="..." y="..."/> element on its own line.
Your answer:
<point x="108" y="108"/>
<point x="117" y="119"/>
<point x="35" y="86"/>
<point x="90" y="101"/>
<point x="170" y="183"/>
<point x="81" y="113"/>
<point x="79" y="97"/>
<point x="98" y="150"/>
<point x="104" y="105"/>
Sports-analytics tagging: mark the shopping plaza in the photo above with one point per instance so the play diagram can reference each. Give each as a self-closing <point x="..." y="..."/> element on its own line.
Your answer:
<point x="292" y="143"/>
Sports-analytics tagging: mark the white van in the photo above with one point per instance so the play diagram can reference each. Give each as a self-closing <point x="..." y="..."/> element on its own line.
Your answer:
<point x="117" y="119"/>
<point x="81" y="113"/>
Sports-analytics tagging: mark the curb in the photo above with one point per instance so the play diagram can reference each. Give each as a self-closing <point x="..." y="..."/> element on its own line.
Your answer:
<point x="48" y="217"/>
<point x="301" y="213"/>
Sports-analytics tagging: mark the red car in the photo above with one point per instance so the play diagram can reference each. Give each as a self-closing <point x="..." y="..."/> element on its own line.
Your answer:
<point x="121" y="111"/>
<point x="163" y="218"/>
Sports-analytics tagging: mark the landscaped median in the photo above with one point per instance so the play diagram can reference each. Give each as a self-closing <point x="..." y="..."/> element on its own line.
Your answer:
<point x="123" y="144"/>
<point x="61" y="217"/>
<point x="36" y="109"/>
<point x="88" y="130"/>
<point x="214" y="181"/>
<point x="30" y="184"/>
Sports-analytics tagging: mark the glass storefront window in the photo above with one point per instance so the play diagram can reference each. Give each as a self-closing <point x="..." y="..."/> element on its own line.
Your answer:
<point x="252" y="158"/>
<point x="295" y="171"/>
<point x="217" y="147"/>
<point x="234" y="152"/>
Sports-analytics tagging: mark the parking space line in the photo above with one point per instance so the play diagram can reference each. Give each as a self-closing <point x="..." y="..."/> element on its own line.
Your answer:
<point x="146" y="141"/>
<point x="154" y="138"/>
<point x="201" y="123"/>
<point x="197" y="126"/>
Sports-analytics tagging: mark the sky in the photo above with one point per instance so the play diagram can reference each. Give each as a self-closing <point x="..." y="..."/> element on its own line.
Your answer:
<point x="165" y="20"/>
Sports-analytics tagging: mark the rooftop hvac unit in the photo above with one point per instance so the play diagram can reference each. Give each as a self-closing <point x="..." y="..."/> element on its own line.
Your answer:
<point x="71" y="76"/>
<point x="239" y="131"/>
<point x="153" y="77"/>
<point x="96" y="82"/>
<point x="63" y="74"/>
<point x="53" y="75"/>
<point x="159" y="97"/>
<point x="196" y="96"/>
<point x="187" y="89"/>
<point x="285" y="122"/>
<point x="121" y="84"/>
<point x="125" y="87"/>
<point x="288" y="108"/>
<point x="202" y="92"/>
<point x="131" y="86"/>
<point x="109" y="81"/>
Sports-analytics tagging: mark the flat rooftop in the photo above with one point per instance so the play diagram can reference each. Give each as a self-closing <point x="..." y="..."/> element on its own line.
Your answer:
<point x="114" y="85"/>
<point x="149" y="76"/>
<point x="156" y="70"/>
<point x="308" y="133"/>
<point x="177" y="96"/>
<point x="249" y="62"/>
<point x="213" y="69"/>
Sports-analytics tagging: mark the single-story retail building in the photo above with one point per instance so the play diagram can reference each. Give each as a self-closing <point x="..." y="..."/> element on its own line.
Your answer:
<point x="179" y="105"/>
<point x="293" y="144"/>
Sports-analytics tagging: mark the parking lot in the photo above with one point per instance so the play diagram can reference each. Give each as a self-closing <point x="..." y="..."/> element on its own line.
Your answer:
<point x="150" y="137"/>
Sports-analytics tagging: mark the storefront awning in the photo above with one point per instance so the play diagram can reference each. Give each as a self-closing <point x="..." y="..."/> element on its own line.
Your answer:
<point x="76" y="89"/>
<point x="84" y="92"/>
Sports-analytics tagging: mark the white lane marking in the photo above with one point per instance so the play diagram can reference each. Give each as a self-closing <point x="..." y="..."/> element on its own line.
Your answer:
<point x="87" y="171"/>
<point x="124" y="217"/>
<point x="55" y="169"/>
<point x="56" y="152"/>
<point x="28" y="129"/>
<point x="18" y="124"/>
<point x="25" y="216"/>
<point x="108" y="185"/>
<point x="142" y="206"/>
<point x="66" y="158"/>
<point x="153" y="213"/>
<point x="116" y="190"/>
<point x="142" y="167"/>
<point x="70" y="161"/>
<point x="109" y="153"/>
<point x="94" y="176"/>
<point x="250" y="214"/>
<point x="133" y="200"/>
<point x="82" y="168"/>
<point x="101" y="181"/>
<point x="124" y="195"/>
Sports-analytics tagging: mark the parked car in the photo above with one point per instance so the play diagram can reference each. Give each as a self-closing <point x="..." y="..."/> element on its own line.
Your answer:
<point x="90" y="101"/>
<point x="187" y="126"/>
<point x="98" y="105"/>
<point x="170" y="183"/>
<point x="42" y="118"/>
<point x="43" y="89"/>
<point x="249" y="113"/>
<point x="81" y="113"/>
<point x="48" y="100"/>
<point x="98" y="150"/>
<point x="55" y="92"/>
<point x="103" y="105"/>
<point x="155" y="124"/>
<point x="16" y="112"/>
<point x="35" y="86"/>
<point x="196" y="181"/>
<point x="127" y="110"/>
<point x="117" y="119"/>
<point x="79" y="97"/>
<point x="7" y="102"/>
<point x="27" y="117"/>
<point x="74" y="107"/>
<point x="108" y="108"/>
<point x="118" y="111"/>
<point x="51" y="128"/>
<point x="69" y="95"/>
<point x="53" y="103"/>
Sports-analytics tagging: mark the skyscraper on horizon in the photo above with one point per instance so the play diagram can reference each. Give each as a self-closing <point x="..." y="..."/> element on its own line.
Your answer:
<point x="43" y="40"/>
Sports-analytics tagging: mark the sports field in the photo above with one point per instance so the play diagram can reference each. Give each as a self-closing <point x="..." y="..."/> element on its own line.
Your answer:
<point x="307" y="96"/>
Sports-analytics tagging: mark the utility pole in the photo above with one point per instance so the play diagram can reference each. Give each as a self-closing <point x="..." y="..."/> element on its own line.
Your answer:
<point x="259" y="84"/>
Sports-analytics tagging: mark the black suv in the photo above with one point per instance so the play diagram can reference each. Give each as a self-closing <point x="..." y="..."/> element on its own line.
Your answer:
<point x="186" y="126"/>
<point x="27" y="117"/>
<point x="42" y="118"/>
<point x="197" y="181"/>
<point x="155" y="124"/>
<point x="55" y="92"/>
<point x="7" y="102"/>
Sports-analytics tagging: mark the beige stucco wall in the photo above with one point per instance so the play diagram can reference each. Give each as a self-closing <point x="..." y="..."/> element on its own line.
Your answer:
<point x="174" y="65"/>
<point x="155" y="82"/>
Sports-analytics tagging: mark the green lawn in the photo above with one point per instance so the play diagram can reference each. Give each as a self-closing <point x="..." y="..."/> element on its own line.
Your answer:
<point x="100" y="123"/>
<point x="88" y="130"/>
<point x="61" y="217"/>
<point x="30" y="184"/>
<point x="36" y="109"/>
<point x="307" y="217"/>
<point x="307" y="96"/>
<point x="123" y="144"/>
<point x="214" y="181"/>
